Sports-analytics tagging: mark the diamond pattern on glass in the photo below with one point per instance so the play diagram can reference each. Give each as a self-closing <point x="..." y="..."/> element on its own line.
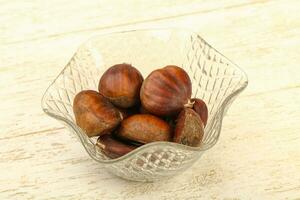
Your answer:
<point x="215" y="79"/>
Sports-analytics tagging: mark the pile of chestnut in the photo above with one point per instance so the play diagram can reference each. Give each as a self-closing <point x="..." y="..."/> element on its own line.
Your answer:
<point x="129" y="111"/>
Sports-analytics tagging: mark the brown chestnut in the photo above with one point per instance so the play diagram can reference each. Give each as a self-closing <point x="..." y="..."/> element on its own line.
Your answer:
<point x="144" y="128"/>
<point x="166" y="91"/>
<point x="121" y="84"/>
<point x="94" y="113"/>
<point x="189" y="129"/>
<point x="112" y="147"/>
<point x="200" y="107"/>
<point x="127" y="141"/>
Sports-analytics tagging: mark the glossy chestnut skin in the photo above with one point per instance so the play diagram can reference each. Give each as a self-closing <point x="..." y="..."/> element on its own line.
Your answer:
<point x="112" y="147"/>
<point x="189" y="129"/>
<point x="144" y="128"/>
<point x="94" y="113"/>
<point x="121" y="84"/>
<point x="166" y="91"/>
<point x="200" y="107"/>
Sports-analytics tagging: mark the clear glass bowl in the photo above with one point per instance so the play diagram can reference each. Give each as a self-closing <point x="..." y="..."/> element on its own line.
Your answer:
<point x="215" y="79"/>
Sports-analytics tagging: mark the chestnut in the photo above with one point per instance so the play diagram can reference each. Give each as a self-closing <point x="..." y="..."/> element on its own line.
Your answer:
<point x="144" y="128"/>
<point x="112" y="147"/>
<point x="200" y="107"/>
<point x="126" y="141"/>
<point x="94" y="113"/>
<point x="189" y="129"/>
<point x="121" y="84"/>
<point x="166" y="91"/>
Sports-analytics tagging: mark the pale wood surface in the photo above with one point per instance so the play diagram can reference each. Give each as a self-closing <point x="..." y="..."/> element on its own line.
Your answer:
<point x="258" y="154"/>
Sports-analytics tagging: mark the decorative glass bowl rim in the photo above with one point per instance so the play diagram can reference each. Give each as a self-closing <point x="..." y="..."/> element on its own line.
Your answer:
<point x="80" y="133"/>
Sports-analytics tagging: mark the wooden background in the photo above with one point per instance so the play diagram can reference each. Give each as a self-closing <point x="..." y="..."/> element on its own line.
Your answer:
<point x="258" y="154"/>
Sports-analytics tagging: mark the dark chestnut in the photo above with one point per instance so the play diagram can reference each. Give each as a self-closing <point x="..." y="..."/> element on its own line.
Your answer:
<point x="112" y="147"/>
<point x="121" y="84"/>
<point x="144" y="128"/>
<point x="166" y="91"/>
<point x="200" y="107"/>
<point x="94" y="113"/>
<point x="189" y="129"/>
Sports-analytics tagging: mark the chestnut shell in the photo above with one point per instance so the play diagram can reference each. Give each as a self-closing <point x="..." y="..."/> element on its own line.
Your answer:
<point x="165" y="91"/>
<point x="94" y="113"/>
<point x="112" y="147"/>
<point x="189" y="129"/>
<point x="201" y="109"/>
<point x="121" y="84"/>
<point x="144" y="128"/>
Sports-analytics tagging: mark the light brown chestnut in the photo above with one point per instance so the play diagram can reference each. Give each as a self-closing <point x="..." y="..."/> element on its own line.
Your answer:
<point x="166" y="91"/>
<point x="94" y="113"/>
<point x="112" y="147"/>
<point x="121" y="84"/>
<point x="144" y="128"/>
<point x="200" y="107"/>
<point x="189" y="129"/>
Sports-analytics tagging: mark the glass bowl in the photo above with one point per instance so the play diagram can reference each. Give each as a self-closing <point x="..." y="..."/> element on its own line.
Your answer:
<point x="215" y="79"/>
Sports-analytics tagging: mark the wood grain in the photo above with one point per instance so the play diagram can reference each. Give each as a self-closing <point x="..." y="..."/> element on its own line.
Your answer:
<point x="258" y="154"/>
<point x="39" y="19"/>
<point x="252" y="159"/>
<point x="34" y="64"/>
